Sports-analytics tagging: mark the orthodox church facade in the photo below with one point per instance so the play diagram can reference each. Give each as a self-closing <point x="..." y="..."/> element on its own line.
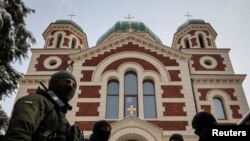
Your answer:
<point x="145" y="89"/>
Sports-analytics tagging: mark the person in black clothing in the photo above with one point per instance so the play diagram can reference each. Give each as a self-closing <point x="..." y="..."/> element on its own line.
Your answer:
<point x="101" y="131"/>
<point x="176" y="137"/>
<point x="201" y="122"/>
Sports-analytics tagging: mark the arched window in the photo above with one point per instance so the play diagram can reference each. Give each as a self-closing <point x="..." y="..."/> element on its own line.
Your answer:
<point x="73" y="43"/>
<point x="187" y="43"/>
<point x="112" y="106"/>
<point x="220" y="111"/>
<point x="130" y="93"/>
<point x="201" y="40"/>
<point x="59" y="40"/>
<point x="149" y="99"/>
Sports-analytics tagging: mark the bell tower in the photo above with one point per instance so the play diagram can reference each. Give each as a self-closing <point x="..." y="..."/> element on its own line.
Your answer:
<point x="65" y="34"/>
<point x="194" y="33"/>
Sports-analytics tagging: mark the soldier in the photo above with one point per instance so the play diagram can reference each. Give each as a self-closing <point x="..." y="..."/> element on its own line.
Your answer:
<point x="176" y="137"/>
<point x="101" y="131"/>
<point x="41" y="116"/>
<point x="201" y="121"/>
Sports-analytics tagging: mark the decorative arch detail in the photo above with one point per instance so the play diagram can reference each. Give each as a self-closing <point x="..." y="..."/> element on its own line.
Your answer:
<point x="208" y="93"/>
<point x="132" y="130"/>
<point x="106" y="65"/>
<point x="146" y="65"/>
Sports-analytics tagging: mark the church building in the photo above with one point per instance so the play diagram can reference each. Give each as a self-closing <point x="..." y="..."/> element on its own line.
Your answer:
<point x="145" y="89"/>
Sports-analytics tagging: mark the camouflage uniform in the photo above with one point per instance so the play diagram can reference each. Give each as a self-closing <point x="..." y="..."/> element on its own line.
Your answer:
<point x="34" y="116"/>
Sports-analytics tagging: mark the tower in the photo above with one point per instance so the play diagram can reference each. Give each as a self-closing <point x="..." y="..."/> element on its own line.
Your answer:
<point x="194" y="33"/>
<point x="65" y="34"/>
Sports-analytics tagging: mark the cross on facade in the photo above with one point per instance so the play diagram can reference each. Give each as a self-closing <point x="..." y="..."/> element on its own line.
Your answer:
<point x="188" y="15"/>
<point x="71" y="15"/>
<point x="129" y="17"/>
<point x="131" y="110"/>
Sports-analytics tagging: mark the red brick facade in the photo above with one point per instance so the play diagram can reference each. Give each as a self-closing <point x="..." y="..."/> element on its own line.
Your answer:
<point x="40" y="60"/>
<point x="172" y="91"/>
<point x="235" y="110"/>
<point x="87" y="125"/>
<point x="87" y="75"/>
<point x="174" y="109"/>
<point x="89" y="92"/>
<point x="206" y="108"/>
<point x="174" y="75"/>
<point x="171" y="125"/>
<point x="88" y="109"/>
<point x="66" y="42"/>
<point x="198" y="67"/>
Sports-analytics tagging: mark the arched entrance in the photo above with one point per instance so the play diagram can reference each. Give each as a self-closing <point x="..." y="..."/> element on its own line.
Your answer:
<point x="132" y="134"/>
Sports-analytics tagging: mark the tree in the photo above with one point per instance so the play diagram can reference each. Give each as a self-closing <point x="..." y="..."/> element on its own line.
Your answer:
<point x="15" y="41"/>
<point x="4" y="120"/>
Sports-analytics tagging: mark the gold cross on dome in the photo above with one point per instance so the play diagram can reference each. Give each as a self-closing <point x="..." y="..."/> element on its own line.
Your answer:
<point x="71" y="15"/>
<point x="188" y="15"/>
<point x="131" y="110"/>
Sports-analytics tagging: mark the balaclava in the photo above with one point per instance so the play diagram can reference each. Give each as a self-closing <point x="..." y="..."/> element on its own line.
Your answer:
<point x="102" y="130"/>
<point x="201" y="122"/>
<point x="64" y="91"/>
<point x="176" y="137"/>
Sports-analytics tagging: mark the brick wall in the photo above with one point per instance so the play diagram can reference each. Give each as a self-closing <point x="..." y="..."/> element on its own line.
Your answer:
<point x="171" y="125"/>
<point x="88" y="109"/>
<point x="172" y="91"/>
<point x="89" y="92"/>
<point x="174" y="109"/>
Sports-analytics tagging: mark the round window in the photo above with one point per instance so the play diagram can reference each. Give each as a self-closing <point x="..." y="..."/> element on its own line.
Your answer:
<point x="208" y="62"/>
<point x="52" y="62"/>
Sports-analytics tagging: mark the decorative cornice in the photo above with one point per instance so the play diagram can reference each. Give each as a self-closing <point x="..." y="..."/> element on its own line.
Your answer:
<point x="70" y="27"/>
<point x="54" y="50"/>
<point x="129" y="37"/>
<point x="217" y="79"/>
<point x="205" y="50"/>
<point x="35" y="79"/>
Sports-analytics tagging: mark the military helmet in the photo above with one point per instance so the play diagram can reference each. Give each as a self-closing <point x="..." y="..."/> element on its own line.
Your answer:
<point x="203" y="119"/>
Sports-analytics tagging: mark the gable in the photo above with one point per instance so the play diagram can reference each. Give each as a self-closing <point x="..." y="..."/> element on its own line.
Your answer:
<point x="130" y="42"/>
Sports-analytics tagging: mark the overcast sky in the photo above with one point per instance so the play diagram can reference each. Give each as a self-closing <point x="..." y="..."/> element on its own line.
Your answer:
<point x="229" y="18"/>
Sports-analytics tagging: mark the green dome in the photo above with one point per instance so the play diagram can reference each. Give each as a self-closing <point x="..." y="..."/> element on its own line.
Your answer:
<point x="190" y="21"/>
<point x="69" y="22"/>
<point x="124" y="26"/>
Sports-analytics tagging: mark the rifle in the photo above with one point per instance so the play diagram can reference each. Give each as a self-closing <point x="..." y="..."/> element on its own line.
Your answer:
<point x="59" y="105"/>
